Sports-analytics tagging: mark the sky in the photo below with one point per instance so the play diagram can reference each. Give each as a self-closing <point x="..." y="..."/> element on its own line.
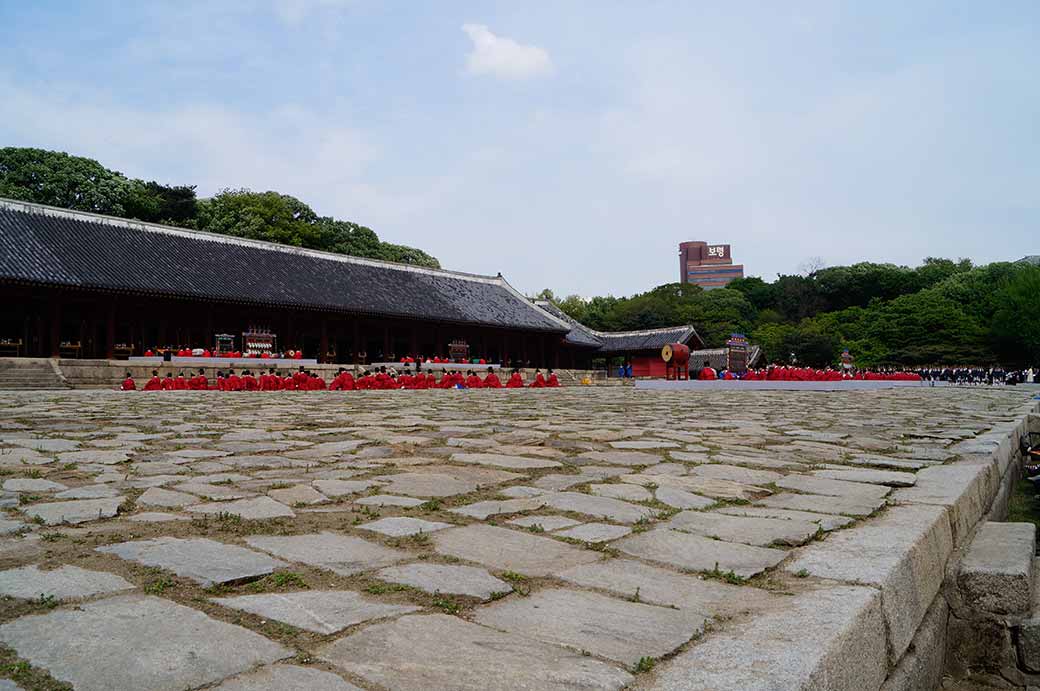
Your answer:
<point x="568" y="145"/>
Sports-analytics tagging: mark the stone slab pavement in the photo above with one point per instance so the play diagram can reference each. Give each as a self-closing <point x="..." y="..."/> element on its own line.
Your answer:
<point x="591" y="538"/>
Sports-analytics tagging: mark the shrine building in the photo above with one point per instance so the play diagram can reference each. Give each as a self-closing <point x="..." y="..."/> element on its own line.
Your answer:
<point x="83" y="285"/>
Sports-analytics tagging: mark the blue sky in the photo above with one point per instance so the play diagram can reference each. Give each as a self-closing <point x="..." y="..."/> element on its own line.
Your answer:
<point x="567" y="144"/>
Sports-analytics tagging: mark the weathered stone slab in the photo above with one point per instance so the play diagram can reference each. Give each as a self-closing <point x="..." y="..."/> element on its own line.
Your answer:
<point x="720" y="489"/>
<point x="342" y="554"/>
<point x="697" y="553"/>
<point x="736" y="473"/>
<point x="600" y="507"/>
<point x="510" y="550"/>
<point x="446" y="578"/>
<point x="254" y="509"/>
<point x="903" y="552"/>
<point x="42" y="443"/>
<point x="427" y="484"/>
<point x="8" y="526"/>
<point x="503" y="461"/>
<point x="485" y="509"/>
<point x="830" y="639"/>
<point x="644" y="583"/>
<point x="402" y="526"/>
<point x="616" y="629"/>
<point x="32" y="485"/>
<point x="65" y="582"/>
<point x="644" y="444"/>
<point x="923" y="664"/>
<point x="833" y="488"/>
<point x="94" y="456"/>
<point x="450" y="653"/>
<point x="627" y="458"/>
<point x="388" y="500"/>
<point x="74" y="512"/>
<point x="88" y="492"/>
<point x="747" y="530"/>
<point x="297" y="494"/>
<point x="996" y="571"/>
<point x="681" y="499"/>
<point x="595" y="532"/>
<point x="287" y="678"/>
<point x="821" y="504"/>
<point x="623" y="491"/>
<point x="342" y="488"/>
<point x="966" y="488"/>
<point x="549" y="523"/>
<point x="214" y="492"/>
<point x="891" y="478"/>
<point x="827" y="522"/>
<point x="666" y="469"/>
<point x="155" y="496"/>
<point x="321" y="611"/>
<point x="204" y="561"/>
<point x="137" y="642"/>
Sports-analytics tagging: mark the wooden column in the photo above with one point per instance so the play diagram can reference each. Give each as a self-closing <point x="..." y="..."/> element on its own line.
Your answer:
<point x="413" y="341"/>
<point x="110" y="332"/>
<point x="386" y="344"/>
<point x="54" y="340"/>
<point x="324" y="341"/>
<point x="356" y="345"/>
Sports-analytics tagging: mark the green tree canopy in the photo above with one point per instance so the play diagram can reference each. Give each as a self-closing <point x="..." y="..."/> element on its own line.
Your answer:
<point x="83" y="184"/>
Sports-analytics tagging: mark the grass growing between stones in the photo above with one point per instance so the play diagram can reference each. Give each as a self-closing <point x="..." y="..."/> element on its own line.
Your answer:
<point x="1023" y="507"/>
<point x="27" y="676"/>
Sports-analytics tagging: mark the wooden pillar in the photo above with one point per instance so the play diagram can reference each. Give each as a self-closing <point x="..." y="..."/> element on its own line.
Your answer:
<point x="356" y="345"/>
<point x="504" y="355"/>
<point x="110" y="332"/>
<point x="54" y="341"/>
<point x="323" y="345"/>
<point x="413" y="341"/>
<point x="386" y="344"/>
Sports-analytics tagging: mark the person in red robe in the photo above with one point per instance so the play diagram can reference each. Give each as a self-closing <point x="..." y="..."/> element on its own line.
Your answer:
<point x="221" y="382"/>
<point x="708" y="372"/>
<point x="288" y="384"/>
<point x="168" y="383"/>
<point x="317" y="383"/>
<point x="155" y="383"/>
<point x="234" y="382"/>
<point x="128" y="384"/>
<point x="539" y="380"/>
<point x="300" y="378"/>
<point x="249" y="382"/>
<point x="473" y="381"/>
<point x="491" y="381"/>
<point x="406" y="380"/>
<point x="515" y="380"/>
<point x="553" y="381"/>
<point x="200" y="382"/>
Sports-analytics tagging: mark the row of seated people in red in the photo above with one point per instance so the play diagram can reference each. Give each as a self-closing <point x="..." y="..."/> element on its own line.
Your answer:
<point x="343" y="381"/>
<point x="409" y="360"/>
<point x="189" y="352"/>
<point x="783" y="373"/>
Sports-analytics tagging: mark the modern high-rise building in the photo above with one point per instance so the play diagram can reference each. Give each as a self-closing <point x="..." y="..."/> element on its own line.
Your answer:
<point x="709" y="266"/>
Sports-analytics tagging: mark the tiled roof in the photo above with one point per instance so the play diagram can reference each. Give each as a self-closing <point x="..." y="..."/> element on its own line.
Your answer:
<point x="609" y="342"/>
<point x="42" y="245"/>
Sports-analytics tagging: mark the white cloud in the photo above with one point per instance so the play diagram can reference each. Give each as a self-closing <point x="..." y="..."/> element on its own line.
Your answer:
<point x="503" y="57"/>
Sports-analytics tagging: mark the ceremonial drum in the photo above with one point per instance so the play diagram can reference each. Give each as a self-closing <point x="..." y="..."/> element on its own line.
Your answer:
<point x="676" y="354"/>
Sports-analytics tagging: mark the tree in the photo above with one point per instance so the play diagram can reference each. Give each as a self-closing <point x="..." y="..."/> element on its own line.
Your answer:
<point x="1016" y="322"/>
<point x="58" y="179"/>
<point x="73" y="182"/>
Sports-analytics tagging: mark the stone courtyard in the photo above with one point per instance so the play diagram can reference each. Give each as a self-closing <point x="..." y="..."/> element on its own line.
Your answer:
<point x="580" y="538"/>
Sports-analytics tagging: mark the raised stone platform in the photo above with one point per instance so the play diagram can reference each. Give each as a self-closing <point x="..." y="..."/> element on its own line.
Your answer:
<point x="594" y="538"/>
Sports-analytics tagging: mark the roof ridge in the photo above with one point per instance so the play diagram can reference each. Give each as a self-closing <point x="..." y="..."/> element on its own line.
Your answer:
<point x="635" y="332"/>
<point x="147" y="226"/>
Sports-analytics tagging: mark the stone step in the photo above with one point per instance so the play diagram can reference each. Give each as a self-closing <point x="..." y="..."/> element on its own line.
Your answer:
<point x="1028" y="637"/>
<point x="996" y="573"/>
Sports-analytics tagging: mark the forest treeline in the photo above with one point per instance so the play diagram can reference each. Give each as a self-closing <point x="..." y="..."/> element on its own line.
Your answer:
<point x="942" y="312"/>
<point x="74" y="182"/>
